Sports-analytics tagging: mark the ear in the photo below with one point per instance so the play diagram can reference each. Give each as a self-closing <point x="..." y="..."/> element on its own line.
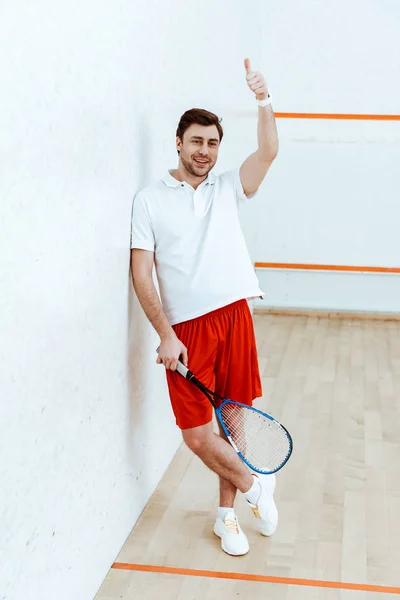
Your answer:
<point x="178" y="144"/>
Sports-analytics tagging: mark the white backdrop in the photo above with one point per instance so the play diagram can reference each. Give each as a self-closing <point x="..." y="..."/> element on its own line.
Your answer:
<point x="91" y="96"/>
<point x="332" y="196"/>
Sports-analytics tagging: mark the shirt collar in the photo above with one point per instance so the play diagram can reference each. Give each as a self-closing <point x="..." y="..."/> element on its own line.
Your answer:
<point x="171" y="182"/>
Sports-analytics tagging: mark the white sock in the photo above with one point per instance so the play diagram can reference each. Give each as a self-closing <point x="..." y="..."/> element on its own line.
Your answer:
<point x="253" y="494"/>
<point x="223" y="511"/>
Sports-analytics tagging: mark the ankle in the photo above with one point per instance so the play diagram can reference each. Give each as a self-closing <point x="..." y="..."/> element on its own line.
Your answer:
<point x="224" y="510"/>
<point x="253" y="494"/>
<point x="249" y="483"/>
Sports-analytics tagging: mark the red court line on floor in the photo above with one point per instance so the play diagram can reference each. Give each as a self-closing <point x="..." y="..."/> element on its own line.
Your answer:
<point x="363" y="587"/>
<point x="337" y="116"/>
<point x="316" y="267"/>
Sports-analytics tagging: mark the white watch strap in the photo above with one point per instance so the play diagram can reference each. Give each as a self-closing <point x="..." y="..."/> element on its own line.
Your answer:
<point x="266" y="101"/>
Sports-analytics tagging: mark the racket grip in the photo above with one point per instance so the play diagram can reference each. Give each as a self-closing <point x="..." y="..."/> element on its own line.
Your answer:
<point x="182" y="370"/>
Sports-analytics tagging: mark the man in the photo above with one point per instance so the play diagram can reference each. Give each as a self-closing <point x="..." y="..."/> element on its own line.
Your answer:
<point x="187" y="225"/>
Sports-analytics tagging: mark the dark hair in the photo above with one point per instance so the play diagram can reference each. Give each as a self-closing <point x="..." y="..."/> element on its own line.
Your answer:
<point x="198" y="116"/>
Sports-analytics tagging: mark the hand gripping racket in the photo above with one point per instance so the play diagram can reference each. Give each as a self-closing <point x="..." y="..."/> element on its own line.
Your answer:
<point x="260" y="441"/>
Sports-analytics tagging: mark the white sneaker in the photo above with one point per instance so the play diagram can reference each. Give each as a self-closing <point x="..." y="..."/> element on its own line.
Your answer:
<point x="268" y="481"/>
<point x="233" y="540"/>
<point x="265" y="509"/>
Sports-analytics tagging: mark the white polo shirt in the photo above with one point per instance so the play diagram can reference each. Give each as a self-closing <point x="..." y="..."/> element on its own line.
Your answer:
<point x="201" y="258"/>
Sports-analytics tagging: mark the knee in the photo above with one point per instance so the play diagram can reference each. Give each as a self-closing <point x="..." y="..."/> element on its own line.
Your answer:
<point x="196" y="441"/>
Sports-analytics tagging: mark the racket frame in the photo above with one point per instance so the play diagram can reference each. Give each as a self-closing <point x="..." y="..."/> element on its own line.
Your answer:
<point x="189" y="376"/>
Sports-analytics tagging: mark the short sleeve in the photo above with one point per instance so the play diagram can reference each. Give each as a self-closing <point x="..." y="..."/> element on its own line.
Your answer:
<point x="237" y="184"/>
<point x="142" y="234"/>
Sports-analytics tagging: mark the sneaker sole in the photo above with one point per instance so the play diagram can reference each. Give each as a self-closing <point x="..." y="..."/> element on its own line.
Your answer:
<point x="224" y="547"/>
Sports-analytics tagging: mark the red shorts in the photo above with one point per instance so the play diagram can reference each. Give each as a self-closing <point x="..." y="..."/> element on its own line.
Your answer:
<point x="222" y="354"/>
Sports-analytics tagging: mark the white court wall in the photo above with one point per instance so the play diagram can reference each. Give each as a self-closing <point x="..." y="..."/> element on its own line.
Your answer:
<point x="332" y="196"/>
<point x="91" y="95"/>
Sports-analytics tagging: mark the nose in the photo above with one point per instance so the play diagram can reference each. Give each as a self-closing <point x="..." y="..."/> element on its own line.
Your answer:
<point x="204" y="149"/>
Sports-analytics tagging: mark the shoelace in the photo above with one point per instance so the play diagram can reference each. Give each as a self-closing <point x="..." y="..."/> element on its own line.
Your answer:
<point x="232" y="526"/>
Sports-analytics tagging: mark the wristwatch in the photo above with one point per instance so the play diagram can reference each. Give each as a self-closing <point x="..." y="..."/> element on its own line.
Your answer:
<point x="266" y="101"/>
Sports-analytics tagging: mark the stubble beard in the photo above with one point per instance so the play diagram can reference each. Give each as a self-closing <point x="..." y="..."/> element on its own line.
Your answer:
<point x="193" y="170"/>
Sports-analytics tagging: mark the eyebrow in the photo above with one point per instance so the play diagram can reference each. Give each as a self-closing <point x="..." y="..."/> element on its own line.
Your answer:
<point x="198" y="137"/>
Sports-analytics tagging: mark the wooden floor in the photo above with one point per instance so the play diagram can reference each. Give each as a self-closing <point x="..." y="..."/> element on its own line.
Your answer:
<point x="335" y="383"/>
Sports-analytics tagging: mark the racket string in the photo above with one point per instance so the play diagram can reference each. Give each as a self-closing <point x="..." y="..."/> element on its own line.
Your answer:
<point x="262" y="441"/>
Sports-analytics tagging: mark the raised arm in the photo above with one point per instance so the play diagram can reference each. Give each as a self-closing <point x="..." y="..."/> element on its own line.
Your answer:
<point x="255" y="167"/>
<point x="171" y="348"/>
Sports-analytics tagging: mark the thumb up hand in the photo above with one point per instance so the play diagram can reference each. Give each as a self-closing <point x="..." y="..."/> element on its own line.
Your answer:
<point x="255" y="81"/>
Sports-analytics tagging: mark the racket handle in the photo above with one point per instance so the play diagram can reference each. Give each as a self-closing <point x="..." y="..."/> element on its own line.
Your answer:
<point x="180" y="367"/>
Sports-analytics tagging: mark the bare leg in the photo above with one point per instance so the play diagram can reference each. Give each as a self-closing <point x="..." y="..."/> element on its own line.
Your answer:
<point x="219" y="456"/>
<point x="227" y="491"/>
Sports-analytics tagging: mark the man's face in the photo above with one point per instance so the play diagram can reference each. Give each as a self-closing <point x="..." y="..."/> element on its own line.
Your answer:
<point x="199" y="149"/>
